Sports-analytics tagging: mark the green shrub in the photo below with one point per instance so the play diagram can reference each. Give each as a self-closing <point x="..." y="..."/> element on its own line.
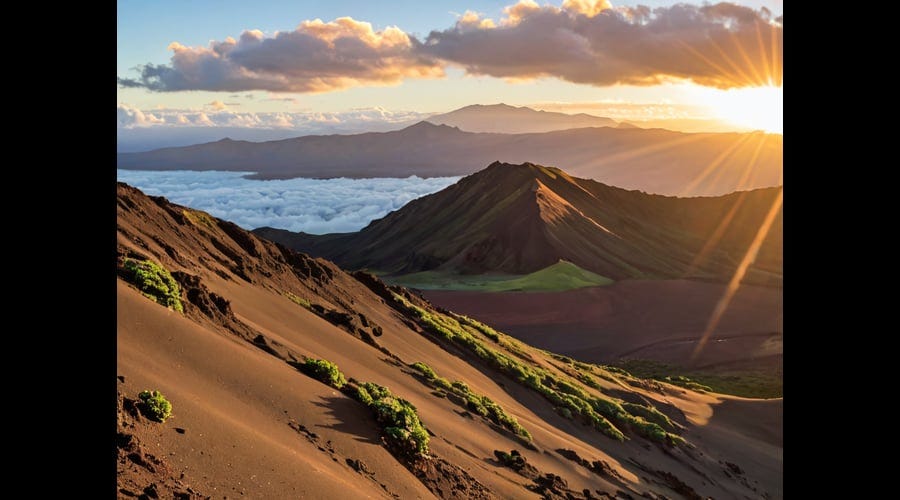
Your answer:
<point x="363" y="396"/>
<point x="650" y="414"/>
<point x="460" y="387"/>
<point x="300" y="301"/>
<point x="425" y="369"/>
<point x="399" y="418"/>
<point x="155" y="405"/>
<point x="324" y="371"/>
<point x="155" y="282"/>
<point x="569" y="398"/>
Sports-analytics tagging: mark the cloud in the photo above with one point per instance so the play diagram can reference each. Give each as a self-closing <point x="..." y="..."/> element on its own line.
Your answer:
<point x="315" y="57"/>
<point x="217" y="114"/>
<point x="127" y="117"/>
<point x="314" y="206"/>
<point x="722" y="45"/>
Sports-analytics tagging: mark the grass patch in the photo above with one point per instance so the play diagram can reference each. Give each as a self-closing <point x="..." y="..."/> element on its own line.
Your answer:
<point x="199" y="218"/>
<point x="155" y="282"/>
<point x="298" y="300"/>
<point x="555" y="278"/>
<point x="763" y="382"/>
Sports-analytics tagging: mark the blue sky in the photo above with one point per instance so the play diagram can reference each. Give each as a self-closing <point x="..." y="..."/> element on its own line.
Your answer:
<point x="146" y="29"/>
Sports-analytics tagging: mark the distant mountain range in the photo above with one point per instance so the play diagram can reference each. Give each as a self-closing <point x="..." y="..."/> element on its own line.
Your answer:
<point x="517" y="219"/>
<point x="505" y="119"/>
<point x="653" y="160"/>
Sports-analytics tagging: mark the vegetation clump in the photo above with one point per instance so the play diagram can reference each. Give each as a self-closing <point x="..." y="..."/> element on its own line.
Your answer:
<point x="324" y="371"/>
<point x="566" y="395"/>
<point x="480" y="404"/>
<point x="398" y="417"/>
<point x="154" y="405"/>
<point x="155" y="282"/>
<point x="300" y="301"/>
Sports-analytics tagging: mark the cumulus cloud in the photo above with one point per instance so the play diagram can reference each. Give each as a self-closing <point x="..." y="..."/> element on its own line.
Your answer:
<point x="722" y="45"/>
<point x="127" y="117"/>
<point x="217" y="114"/>
<point x="315" y="57"/>
<point x="314" y="206"/>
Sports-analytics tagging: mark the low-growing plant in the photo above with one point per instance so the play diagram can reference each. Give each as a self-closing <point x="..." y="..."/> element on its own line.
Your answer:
<point x="482" y="405"/>
<point x="398" y="417"/>
<point x="154" y="405"/>
<point x="599" y="412"/>
<point x="300" y="301"/>
<point x="324" y="371"/>
<point x="155" y="282"/>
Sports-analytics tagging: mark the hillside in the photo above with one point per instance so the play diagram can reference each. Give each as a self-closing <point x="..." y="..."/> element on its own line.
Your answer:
<point x="505" y="119"/>
<point x="519" y="219"/>
<point x="557" y="277"/>
<point x="246" y="421"/>
<point x="653" y="160"/>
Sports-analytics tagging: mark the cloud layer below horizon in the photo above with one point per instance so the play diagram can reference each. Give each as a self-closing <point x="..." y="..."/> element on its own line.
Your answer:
<point x="721" y="45"/>
<point x="217" y="114"/>
<point x="315" y="206"/>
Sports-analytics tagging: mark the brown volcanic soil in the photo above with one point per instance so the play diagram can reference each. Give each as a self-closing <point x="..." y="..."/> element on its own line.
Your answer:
<point x="253" y="426"/>
<point x="654" y="319"/>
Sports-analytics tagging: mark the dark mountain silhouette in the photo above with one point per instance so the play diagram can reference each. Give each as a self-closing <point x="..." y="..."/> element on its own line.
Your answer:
<point x="505" y="119"/>
<point x="652" y="160"/>
<point x="521" y="218"/>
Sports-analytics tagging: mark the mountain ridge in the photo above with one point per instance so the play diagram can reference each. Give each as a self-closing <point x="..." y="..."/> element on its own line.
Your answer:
<point x="518" y="219"/>
<point x="653" y="160"/>
<point x="505" y="119"/>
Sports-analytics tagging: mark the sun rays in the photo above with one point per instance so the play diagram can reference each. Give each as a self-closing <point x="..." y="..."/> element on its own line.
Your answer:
<point x="739" y="274"/>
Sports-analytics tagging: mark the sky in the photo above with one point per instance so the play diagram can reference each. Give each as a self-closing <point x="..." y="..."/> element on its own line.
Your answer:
<point x="342" y="65"/>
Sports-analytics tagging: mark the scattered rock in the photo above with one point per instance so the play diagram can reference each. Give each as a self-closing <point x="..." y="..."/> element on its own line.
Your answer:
<point x="358" y="466"/>
<point x="734" y="468"/>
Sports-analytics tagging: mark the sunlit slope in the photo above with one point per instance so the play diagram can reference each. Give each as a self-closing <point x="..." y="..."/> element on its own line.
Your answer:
<point x="558" y="277"/>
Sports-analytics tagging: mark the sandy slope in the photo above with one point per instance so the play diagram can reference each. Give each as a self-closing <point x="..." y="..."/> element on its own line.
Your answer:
<point x="241" y="407"/>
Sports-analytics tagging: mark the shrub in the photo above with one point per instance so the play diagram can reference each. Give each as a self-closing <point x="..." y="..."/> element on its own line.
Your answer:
<point x="649" y="414"/>
<point x="324" y="371"/>
<point x="425" y="369"/>
<point x="300" y="301"/>
<point x="155" y="405"/>
<point x="155" y="282"/>
<point x="461" y="386"/>
<point x="363" y="396"/>
<point x="570" y="398"/>
<point x="399" y="418"/>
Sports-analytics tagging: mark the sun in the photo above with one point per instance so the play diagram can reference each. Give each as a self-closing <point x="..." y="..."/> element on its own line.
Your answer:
<point x="757" y="108"/>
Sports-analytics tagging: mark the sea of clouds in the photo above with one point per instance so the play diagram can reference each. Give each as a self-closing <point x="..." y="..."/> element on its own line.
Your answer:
<point x="315" y="206"/>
